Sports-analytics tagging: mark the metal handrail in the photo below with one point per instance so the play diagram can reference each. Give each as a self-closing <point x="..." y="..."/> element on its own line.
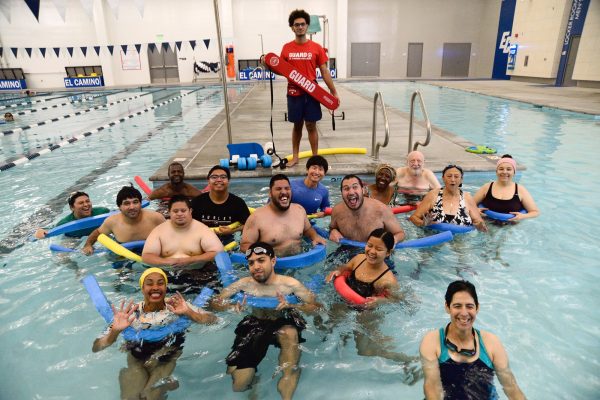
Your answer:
<point x="263" y="74"/>
<point x="410" y="126"/>
<point x="375" y="146"/>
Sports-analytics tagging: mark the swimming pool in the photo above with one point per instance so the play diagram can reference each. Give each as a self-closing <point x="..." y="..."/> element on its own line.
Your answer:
<point x="535" y="281"/>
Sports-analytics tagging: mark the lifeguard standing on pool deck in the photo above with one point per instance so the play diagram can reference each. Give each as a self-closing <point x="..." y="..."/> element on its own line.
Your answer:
<point x="306" y="56"/>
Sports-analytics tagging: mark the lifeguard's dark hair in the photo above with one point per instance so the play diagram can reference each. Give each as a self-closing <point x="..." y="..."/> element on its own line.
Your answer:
<point x="294" y="15"/>
<point x="128" y="192"/>
<point x="385" y="236"/>
<point x="461" y="286"/>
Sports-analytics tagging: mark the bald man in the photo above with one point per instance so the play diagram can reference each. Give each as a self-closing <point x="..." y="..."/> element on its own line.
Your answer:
<point x="415" y="175"/>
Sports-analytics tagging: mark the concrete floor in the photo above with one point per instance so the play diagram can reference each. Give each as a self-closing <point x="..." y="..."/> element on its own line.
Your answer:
<point x="250" y="115"/>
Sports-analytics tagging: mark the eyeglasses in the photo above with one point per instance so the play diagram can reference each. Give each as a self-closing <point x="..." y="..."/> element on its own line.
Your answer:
<point x="465" y="352"/>
<point x="300" y="25"/>
<point x="218" y="177"/>
<point x="257" y="250"/>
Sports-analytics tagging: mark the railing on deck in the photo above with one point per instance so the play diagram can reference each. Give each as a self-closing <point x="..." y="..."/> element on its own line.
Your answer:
<point x="375" y="146"/>
<point x="410" y="126"/>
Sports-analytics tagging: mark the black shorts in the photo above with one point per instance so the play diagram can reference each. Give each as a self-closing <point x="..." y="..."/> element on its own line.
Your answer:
<point x="253" y="336"/>
<point x="193" y="280"/>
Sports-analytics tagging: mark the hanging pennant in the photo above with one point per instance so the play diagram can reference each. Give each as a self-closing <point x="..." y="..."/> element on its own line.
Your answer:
<point x="84" y="51"/>
<point x="124" y="48"/>
<point x="139" y="4"/>
<point x="138" y="47"/>
<point x="42" y="50"/>
<point x="193" y="44"/>
<point x="28" y="50"/>
<point x="70" y="50"/>
<point x="14" y="51"/>
<point x="206" y="43"/>
<point x="178" y="44"/>
<point x="56" y="51"/>
<point x="61" y="7"/>
<point x="97" y="50"/>
<point x="34" y="6"/>
<point x="152" y="47"/>
<point x="165" y="46"/>
<point x="5" y="9"/>
<point x="1" y="51"/>
<point x="110" y="49"/>
<point x="88" y="7"/>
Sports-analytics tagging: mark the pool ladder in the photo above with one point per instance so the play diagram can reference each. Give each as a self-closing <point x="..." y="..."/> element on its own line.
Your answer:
<point x="375" y="146"/>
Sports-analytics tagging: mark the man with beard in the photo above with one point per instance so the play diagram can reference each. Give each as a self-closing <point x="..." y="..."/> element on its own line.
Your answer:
<point x="357" y="216"/>
<point x="183" y="243"/>
<point x="414" y="180"/>
<point x="280" y="223"/>
<point x="133" y="223"/>
<point x="256" y="332"/>
<point x="176" y="186"/>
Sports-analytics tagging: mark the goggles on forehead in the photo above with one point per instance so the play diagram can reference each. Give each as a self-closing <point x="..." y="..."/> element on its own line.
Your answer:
<point x="258" y="250"/>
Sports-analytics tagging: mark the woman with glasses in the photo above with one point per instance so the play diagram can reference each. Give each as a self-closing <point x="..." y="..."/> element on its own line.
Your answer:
<point x="506" y="196"/>
<point x="450" y="204"/>
<point x="459" y="361"/>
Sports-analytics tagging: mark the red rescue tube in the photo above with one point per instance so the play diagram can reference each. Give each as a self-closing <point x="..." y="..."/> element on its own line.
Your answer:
<point x="341" y="286"/>
<point x="145" y="188"/>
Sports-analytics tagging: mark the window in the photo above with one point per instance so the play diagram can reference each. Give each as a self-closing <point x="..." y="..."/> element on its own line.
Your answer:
<point x="88" y="70"/>
<point x="11" y="73"/>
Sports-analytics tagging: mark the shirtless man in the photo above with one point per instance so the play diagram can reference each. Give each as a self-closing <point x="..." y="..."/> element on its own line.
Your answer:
<point x="414" y="175"/>
<point x="133" y="223"/>
<point x="176" y="186"/>
<point x="280" y="223"/>
<point x="357" y="216"/>
<point x="181" y="242"/>
<point x="281" y="326"/>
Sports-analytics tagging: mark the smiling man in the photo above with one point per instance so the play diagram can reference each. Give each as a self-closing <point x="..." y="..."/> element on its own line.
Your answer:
<point x="220" y="208"/>
<point x="280" y="223"/>
<point x="309" y="192"/>
<point x="176" y="185"/>
<point x="357" y="215"/>
<point x="133" y="223"/>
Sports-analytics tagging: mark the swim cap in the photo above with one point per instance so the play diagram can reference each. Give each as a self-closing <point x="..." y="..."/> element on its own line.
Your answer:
<point x="507" y="160"/>
<point x="387" y="167"/>
<point x="150" y="271"/>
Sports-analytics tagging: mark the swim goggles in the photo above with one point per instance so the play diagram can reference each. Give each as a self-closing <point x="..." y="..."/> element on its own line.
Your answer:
<point x="452" y="347"/>
<point x="453" y="166"/>
<point x="259" y="250"/>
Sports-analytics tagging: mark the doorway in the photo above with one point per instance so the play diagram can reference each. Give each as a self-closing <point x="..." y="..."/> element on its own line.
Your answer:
<point x="163" y="65"/>
<point x="365" y="59"/>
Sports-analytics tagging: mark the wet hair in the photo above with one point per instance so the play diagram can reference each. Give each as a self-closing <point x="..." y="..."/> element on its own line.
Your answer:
<point x="453" y="166"/>
<point x="385" y="236"/>
<point x="179" y="198"/>
<point x="172" y="164"/>
<point x="216" y="167"/>
<point x="317" y="160"/>
<point x="507" y="156"/>
<point x="278" y="177"/>
<point x="461" y="286"/>
<point x="8" y="115"/>
<point x="270" y="251"/>
<point x="350" y="176"/>
<point x="128" y="192"/>
<point x="73" y="196"/>
<point x="294" y="15"/>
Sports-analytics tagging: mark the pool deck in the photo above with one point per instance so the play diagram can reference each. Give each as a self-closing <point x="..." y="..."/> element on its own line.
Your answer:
<point x="250" y="115"/>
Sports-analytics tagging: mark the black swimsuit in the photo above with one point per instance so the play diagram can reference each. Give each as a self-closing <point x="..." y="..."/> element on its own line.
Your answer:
<point x="500" y="205"/>
<point x="365" y="289"/>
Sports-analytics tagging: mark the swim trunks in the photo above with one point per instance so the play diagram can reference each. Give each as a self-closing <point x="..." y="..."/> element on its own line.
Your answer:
<point x="253" y="336"/>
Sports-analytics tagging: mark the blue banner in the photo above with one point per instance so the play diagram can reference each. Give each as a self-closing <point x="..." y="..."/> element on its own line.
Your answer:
<point x="87" y="81"/>
<point x="248" y="74"/>
<point x="574" y="27"/>
<point x="12" y="84"/>
<point x="505" y="23"/>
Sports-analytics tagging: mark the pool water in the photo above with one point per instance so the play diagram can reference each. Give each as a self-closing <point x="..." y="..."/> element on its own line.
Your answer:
<point x="536" y="281"/>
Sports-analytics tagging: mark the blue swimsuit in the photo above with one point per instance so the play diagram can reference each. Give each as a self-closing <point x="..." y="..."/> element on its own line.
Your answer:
<point x="466" y="381"/>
